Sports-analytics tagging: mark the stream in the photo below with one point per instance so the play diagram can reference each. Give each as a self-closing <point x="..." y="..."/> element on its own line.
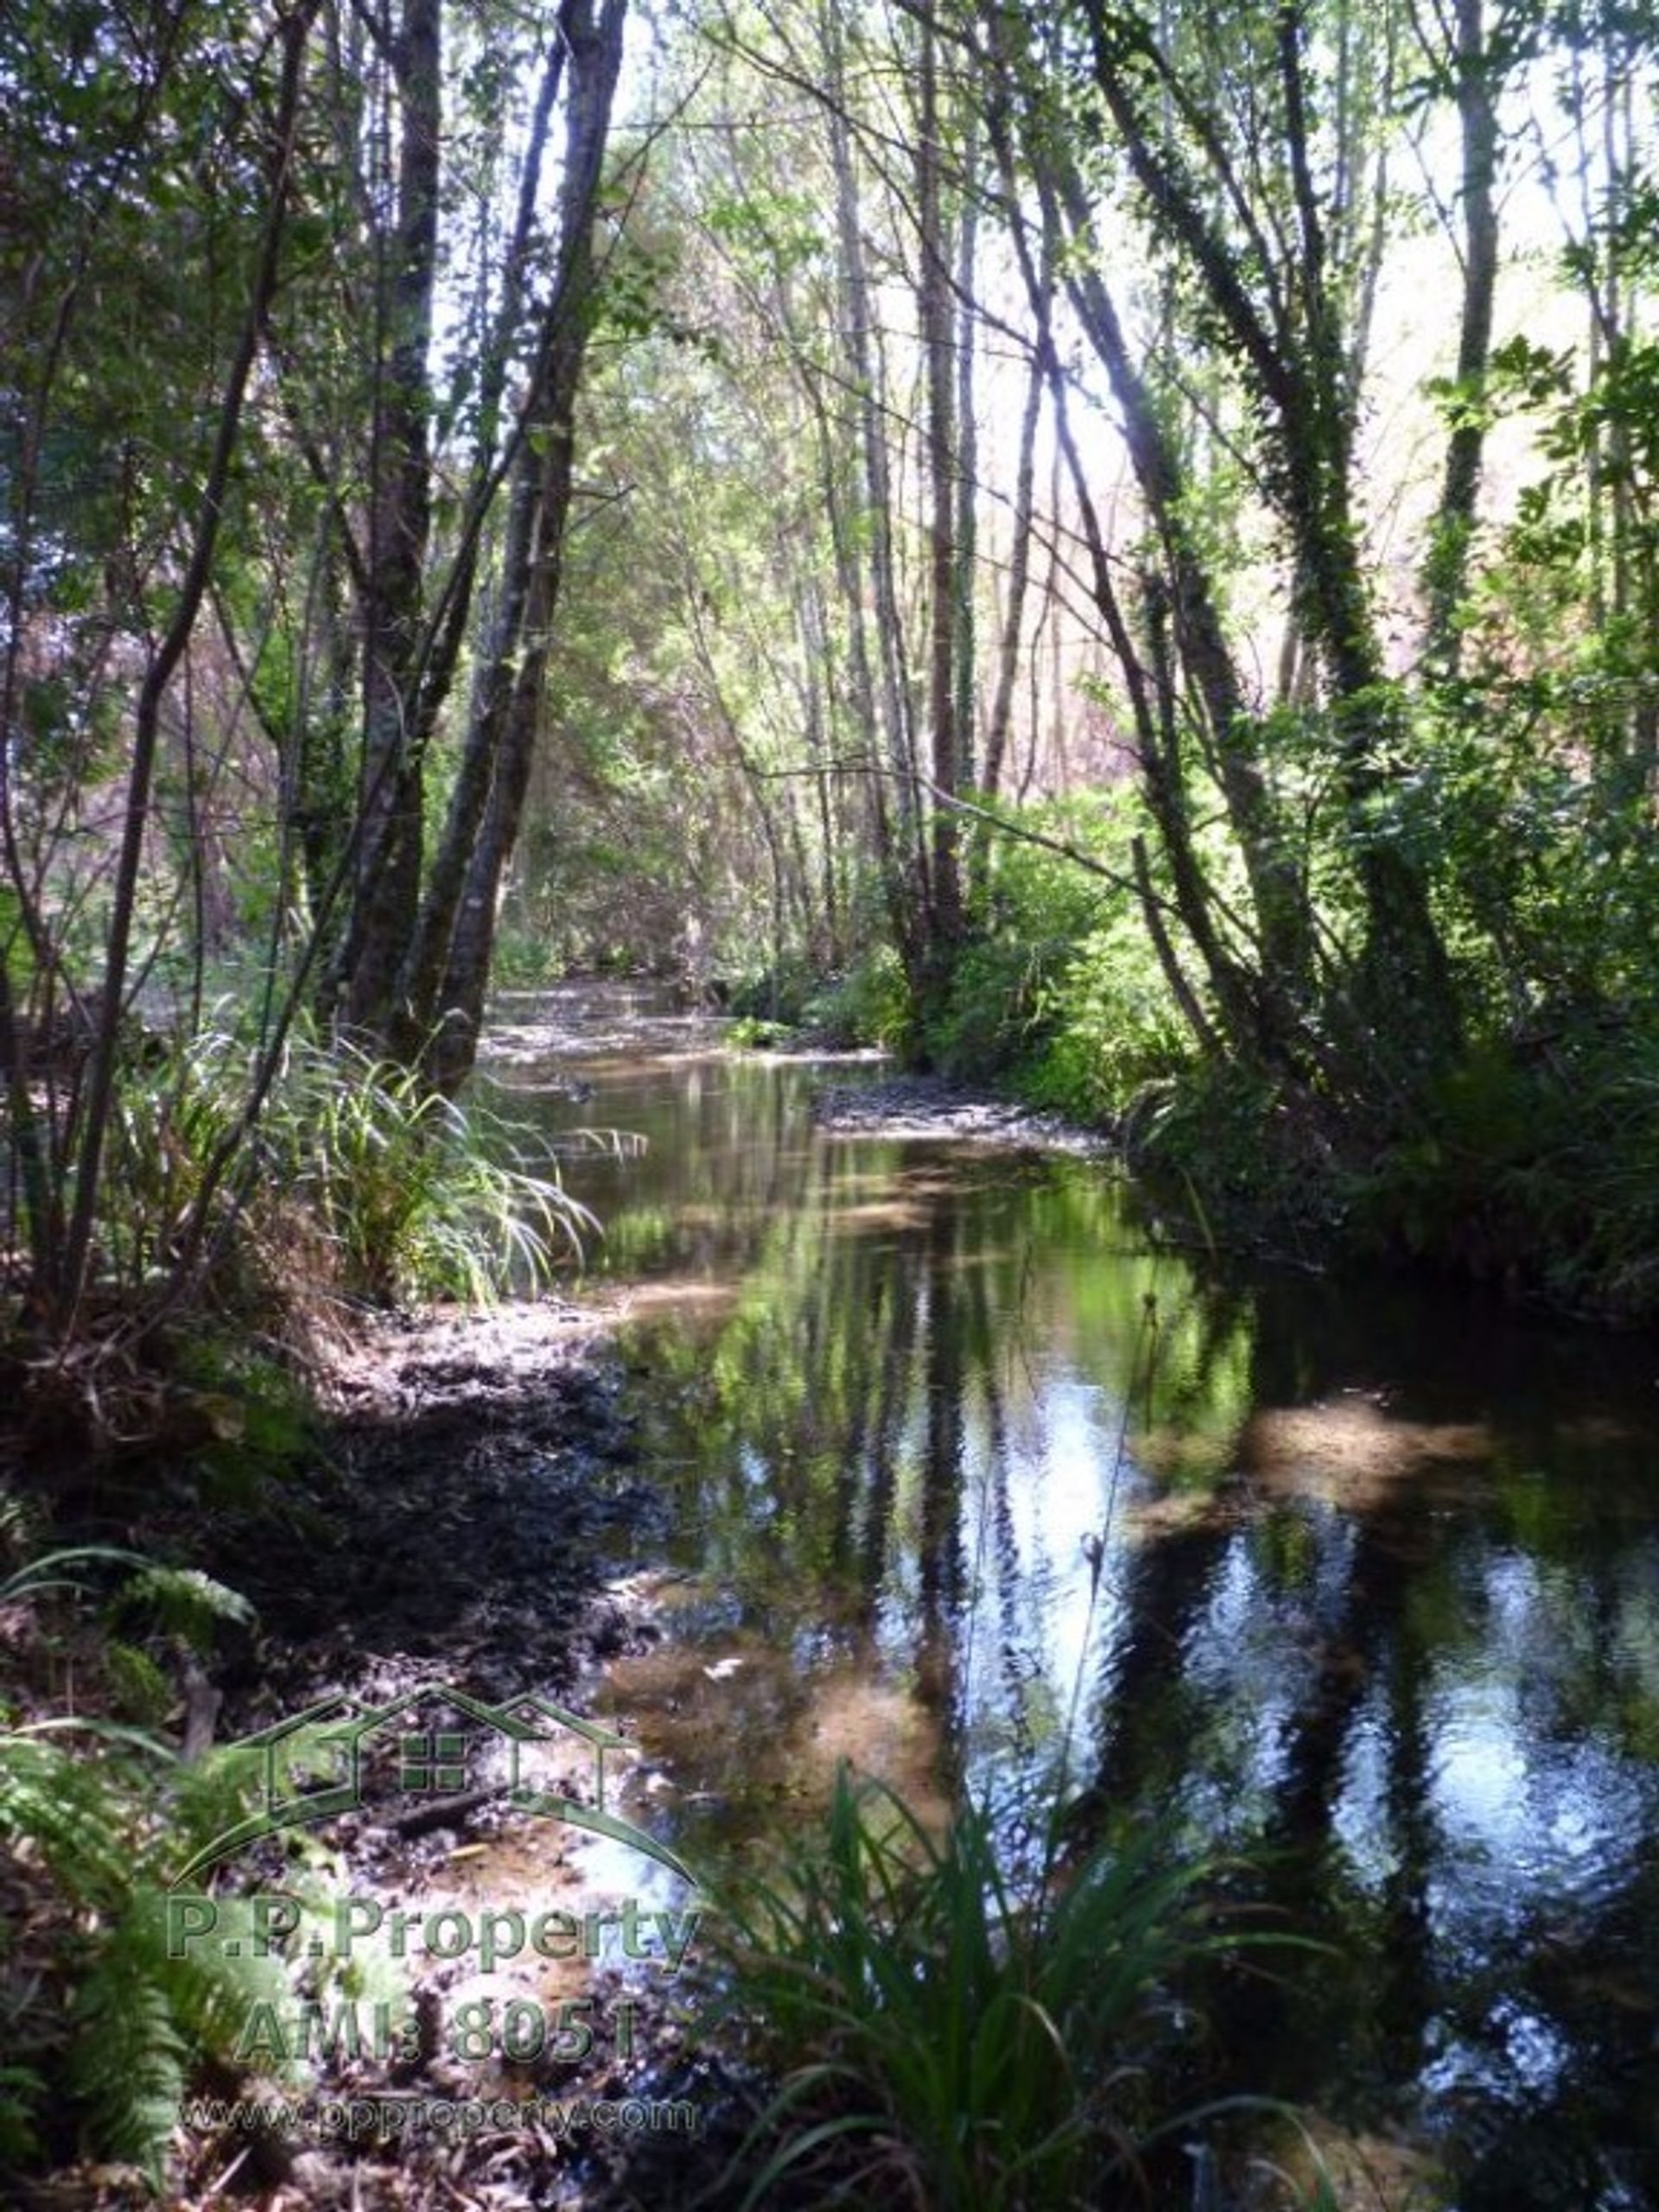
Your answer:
<point x="1360" y="1581"/>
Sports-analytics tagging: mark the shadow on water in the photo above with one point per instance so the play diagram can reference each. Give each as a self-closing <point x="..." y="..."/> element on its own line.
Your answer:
<point x="1380" y="1602"/>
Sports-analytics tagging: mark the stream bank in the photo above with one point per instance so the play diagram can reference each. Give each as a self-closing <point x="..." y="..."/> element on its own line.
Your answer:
<point x="471" y="1512"/>
<point x="915" y="1447"/>
<point x="461" y="1523"/>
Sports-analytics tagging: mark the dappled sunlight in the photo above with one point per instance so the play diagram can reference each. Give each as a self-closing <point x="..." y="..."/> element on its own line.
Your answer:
<point x="875" y="1214"/>
<point x="765" y="1737"/>
<point x="655" y="1300"/>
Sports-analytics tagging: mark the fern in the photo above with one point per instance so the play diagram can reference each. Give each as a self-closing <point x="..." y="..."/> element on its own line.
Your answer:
<point x="110" y="1834"/>
<point x="144" y="2019"/>
<point x="130" y="2063"/>
<point x="75" y="1818"/>
<point x="139" y="1686"/>
<point x="184" y="1602"/>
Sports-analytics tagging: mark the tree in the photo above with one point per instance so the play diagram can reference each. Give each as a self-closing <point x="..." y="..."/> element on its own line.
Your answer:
<point x="234" y="421"/>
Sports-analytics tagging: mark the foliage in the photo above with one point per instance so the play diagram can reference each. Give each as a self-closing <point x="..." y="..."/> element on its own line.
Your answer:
<point x="748" y="1034"/>
<point x="417" y="1195"/>
<point x="1392" y="726"/>
<point x="1056" y="988"/>
<point x="1534" y="1165"/>
<point x="249" y="491"/>
<point x="1106" y="1027"/>
<point x="108" y="1813"/>
<point x="110" y="1830"/>
<point x="972" y="2041"/>
<point x="361" y="1183"/>
<point x="1239" y="1160"/>
<point x="870" y="1004"/>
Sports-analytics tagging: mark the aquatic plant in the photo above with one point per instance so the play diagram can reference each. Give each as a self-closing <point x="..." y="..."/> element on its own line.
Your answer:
<point x="943" y="2029"/>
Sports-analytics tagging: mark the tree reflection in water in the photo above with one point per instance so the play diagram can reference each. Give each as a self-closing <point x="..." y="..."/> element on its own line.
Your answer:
<point x="1379" y="1598"/>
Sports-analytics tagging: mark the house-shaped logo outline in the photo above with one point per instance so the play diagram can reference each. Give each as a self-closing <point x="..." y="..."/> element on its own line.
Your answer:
<point x="595" y="1818"/>
<point x="285" y="1807"/>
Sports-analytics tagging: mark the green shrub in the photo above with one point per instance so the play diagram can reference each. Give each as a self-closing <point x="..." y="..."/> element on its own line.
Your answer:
<point x="1533" y="1158"/>
<point x="990" y="1015"/>
<point x="869" y="1005"/>
<point x="528" y="956"/>
<point x="750" y="1035"/>
<point x="1105" y="1026"/>
<point x="1247" y="1162"/>
<point x="1059" y="989"/>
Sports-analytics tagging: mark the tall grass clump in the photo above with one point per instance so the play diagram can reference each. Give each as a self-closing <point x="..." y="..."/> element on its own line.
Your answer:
<point x="356" y="1181"/>
<point x="967" y="2042"/>
<point x="420" y="1196"/>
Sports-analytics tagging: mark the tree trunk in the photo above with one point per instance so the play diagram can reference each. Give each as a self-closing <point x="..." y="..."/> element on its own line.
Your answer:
<point x="400" y="522"/>
<point x="71" y="1281"/>
<point x="944" y="913"/>
<point x="1008" y="657"/>
<point x="905" y="860"/>
<point x="446" y="974"/>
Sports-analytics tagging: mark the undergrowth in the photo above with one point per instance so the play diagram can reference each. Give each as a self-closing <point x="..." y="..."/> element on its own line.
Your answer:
<point x="1528" y="1164"/>
<point x="360" y="1180"/>
<point x="947" y="2037"/>
<point x="239" y="1248"/>
<point x="98" y="1814"/>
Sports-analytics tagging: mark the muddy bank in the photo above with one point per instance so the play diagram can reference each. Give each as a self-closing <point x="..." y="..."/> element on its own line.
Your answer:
<point x="457" y="1544"/>
<point x="472" y="1487"/>
<point x="929" y="1107"/>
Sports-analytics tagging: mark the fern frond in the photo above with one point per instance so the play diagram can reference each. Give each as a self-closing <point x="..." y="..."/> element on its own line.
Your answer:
<point x="137" y="1682"/>
<point x="79" y="1821"/>
<point x="129" y="2061"/>
<point x="212" y="1987"/>
<point x="210" y="1797"/>
<point x="184" y="1601"/>
<point x="52" y="1571"/>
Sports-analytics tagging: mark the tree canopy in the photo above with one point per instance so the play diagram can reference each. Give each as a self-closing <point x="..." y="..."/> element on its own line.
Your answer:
<point x="1120" y="540"/>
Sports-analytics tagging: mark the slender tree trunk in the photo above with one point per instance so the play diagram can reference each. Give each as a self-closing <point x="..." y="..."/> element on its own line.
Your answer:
<point x="967" y="466"/>
<point x="906" y="862"/>
<point x="448" y="972"/>
<point x="1008" y="657"/>
<point x="72" y="1279"/>
<point x="937" y="330"/>
<point x="392" y="796"/>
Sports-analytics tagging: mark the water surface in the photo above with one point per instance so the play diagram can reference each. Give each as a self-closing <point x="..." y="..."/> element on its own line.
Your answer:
<point x="1360" y="1581"/>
